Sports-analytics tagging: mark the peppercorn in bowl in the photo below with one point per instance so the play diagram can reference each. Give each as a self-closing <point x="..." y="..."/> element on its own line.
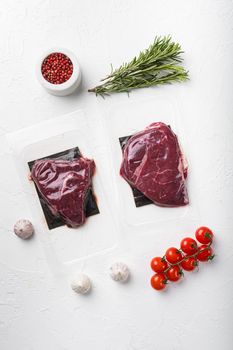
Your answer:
<point x="58" y="71"/>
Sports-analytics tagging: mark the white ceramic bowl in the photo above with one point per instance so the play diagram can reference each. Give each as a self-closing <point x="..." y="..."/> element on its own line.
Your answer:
<point x="69" y="86"/>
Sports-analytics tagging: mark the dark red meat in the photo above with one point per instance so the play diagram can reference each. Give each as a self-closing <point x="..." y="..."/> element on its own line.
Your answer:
<point x="153" y="163"/>
<point x="65" y="185"/>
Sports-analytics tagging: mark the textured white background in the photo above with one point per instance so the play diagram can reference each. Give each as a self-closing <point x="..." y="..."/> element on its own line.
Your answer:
<point x="37" y="308"/>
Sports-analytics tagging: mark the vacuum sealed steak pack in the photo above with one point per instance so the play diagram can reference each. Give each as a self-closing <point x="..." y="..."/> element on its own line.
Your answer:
<point x="152" y="171"/>
<point x="56" y="162"/>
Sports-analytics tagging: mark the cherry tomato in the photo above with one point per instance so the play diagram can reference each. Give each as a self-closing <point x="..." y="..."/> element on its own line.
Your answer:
<point x="205" y="253"/>
<point x="189" y="263"/>
<point x="158" y="281"/>
<point x="204" y="235"/>
<point x="188" y="245"/>
<point x="174" y="273"/>
<point x="173" y="255"/>
<point x="158" y="264"/>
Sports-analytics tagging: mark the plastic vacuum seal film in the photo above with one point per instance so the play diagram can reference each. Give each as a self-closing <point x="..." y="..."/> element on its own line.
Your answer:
<point x="54" y="137"/>
<point x="127" y="119"/>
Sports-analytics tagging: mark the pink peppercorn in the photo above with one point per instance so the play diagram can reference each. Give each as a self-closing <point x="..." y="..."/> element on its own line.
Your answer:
<point x="57" y="68"/>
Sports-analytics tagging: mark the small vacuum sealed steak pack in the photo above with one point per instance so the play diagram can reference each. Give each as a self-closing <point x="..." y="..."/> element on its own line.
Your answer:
<point x="154" y="166"/>
<point x="63" y="178"/>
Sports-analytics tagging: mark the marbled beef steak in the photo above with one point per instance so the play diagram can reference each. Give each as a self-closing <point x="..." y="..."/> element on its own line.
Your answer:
<point x="153" y="163"/>
<point x="65" y="185"/>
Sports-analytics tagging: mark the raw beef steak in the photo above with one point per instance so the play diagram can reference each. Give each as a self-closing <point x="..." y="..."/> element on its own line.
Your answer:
<point x="65" y="185"/>
<point x="153" y="163"/>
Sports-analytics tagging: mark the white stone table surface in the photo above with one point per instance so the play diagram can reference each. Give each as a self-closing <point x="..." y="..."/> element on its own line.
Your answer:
<point x="38" y="309"/>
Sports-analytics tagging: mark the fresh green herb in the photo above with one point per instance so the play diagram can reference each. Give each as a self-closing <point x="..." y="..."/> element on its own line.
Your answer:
<point x="157" y="65"/>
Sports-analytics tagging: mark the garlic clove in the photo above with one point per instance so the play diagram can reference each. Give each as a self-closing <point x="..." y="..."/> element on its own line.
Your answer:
<point x="23" y="228"/>
<point x="119" y="272"/>
<point x="81" y="284"/>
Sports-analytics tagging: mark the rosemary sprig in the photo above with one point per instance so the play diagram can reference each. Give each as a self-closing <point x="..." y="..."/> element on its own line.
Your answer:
<point x="157" y="65"/>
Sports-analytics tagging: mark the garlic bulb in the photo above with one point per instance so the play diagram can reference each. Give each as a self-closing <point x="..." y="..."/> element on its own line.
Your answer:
<point x="23" y="228"/>
<point x="119" y="272"/>
<point x="81" y="284"/>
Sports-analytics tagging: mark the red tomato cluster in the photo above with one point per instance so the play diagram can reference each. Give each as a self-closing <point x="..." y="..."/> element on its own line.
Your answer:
<point x="170" y="267"/>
